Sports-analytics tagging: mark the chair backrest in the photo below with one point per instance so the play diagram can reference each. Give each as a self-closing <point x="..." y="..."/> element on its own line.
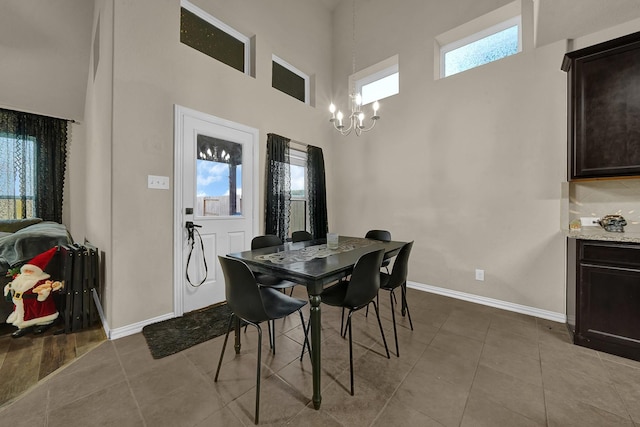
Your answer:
<point x="241" y="290"/>
<point x="365" y="279"/>
<point x="400" y="266"/>
<point x="265" y="241"/>
<point x="301" y="236"/>
<point x="382" y="235"/>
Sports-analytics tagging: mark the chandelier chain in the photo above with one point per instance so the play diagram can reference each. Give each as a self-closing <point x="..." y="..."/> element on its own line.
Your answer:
<point x="355" y="118"/>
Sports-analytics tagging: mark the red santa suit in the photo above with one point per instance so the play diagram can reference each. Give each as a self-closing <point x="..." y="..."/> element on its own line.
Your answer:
<point x="30" y="291"/>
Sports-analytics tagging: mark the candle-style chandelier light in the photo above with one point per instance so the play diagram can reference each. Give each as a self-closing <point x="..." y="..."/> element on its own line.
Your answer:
<point x="356" y="118"/>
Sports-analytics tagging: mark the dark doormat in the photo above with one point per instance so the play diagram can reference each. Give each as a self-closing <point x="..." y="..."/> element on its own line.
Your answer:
<point x="174" y="335"/>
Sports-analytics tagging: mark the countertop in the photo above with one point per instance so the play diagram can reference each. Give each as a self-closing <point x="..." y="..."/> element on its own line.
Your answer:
<point x="599" y="233"/>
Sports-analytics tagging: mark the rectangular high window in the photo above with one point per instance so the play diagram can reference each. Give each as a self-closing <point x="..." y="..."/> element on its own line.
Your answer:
<point x="288" y="79"/>
<point x="488" y="38"/>
<point x="378" y="81"/>
<point x="212" y="37"/>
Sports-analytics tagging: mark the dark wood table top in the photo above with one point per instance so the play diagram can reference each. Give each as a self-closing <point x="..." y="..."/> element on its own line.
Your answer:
<point x="316" y="272"/>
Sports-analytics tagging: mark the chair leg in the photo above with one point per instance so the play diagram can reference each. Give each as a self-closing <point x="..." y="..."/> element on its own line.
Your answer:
<point x="381" y="331"/>
<point x="404" y="299"/>
<point x="350" y="351"/>
<point x="257" y="416"/>
<point x="393" y="317"/>
<point x="271" y="324"/>
<point x="404" y="303"/>
<point x="366" y="314"/>
<point x="343" y="331"/>
<point x="305" y="330"/>
<point x="224" y="346"/>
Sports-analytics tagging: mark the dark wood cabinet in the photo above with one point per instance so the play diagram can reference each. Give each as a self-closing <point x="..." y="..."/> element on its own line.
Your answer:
<point x="603" y="296"/>
<point x="604" y="109"/>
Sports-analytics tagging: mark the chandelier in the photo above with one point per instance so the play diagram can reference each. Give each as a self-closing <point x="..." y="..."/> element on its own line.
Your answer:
<point x="356" y="118"/>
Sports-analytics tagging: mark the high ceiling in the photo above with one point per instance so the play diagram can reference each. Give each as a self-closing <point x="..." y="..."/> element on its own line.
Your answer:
<point x="60" y="31"/>
<point x="570" y="19"/>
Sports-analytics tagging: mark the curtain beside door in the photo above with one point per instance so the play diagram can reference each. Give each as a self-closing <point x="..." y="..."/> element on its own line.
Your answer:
<point x="278" y="186"/>
<point x="278" y="189"/>
<point x="319" y="223"/>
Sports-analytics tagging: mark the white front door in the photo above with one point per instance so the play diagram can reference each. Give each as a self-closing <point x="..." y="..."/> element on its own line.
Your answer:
<point x="215" y="185"/>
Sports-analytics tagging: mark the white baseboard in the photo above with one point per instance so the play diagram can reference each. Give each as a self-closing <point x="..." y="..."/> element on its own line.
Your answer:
<point x="504" y="305"/>
<point x="103" y="319"/>
<point x="134" y="328"/>
<point x="114" y="334"/>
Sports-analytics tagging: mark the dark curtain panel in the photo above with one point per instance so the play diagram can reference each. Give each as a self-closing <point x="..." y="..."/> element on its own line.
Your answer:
<point x="278" y="186"/>
<point x="33" y="154"/>
<point x="319" y="224"/>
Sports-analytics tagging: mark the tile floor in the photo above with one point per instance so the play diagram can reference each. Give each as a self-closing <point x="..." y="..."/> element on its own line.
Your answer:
<point x="463" y="365"/>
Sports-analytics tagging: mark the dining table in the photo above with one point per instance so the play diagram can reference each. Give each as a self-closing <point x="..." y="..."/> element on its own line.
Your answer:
<point x="315" y="265"/>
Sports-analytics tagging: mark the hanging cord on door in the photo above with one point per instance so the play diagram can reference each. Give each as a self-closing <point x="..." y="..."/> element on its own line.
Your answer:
<point x="191" y="230"/>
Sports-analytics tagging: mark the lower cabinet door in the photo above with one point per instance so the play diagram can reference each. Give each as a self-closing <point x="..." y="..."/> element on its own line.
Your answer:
<point x="609" y="300"/>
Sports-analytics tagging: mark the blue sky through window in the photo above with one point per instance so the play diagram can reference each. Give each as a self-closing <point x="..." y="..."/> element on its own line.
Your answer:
<point x="297" y="181"/>
<point x="213" y="178"/>
<point x="488" y="49"/>
<point x="9" y="174"/>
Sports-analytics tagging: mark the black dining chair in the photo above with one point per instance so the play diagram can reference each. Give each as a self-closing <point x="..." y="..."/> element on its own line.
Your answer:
<point x="265" y="241"/>
<point x="383" y="236"/>
<point x="269" y="281"/>
<point x="398" y="279"/>
<point x="301" y="236"/>
<point x="356" y="293"/>
<point x="254" y="304"/>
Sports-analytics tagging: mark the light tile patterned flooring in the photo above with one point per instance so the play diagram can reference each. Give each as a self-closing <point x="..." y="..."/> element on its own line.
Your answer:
<point x="463" y="365"/>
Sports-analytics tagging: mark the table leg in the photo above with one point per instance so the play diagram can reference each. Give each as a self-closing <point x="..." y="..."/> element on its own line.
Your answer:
<point x="315" y="348"/>
<point x="237" y="330"/>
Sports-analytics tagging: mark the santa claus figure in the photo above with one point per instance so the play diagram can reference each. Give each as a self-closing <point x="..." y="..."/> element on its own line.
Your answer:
<point x="34" y="308"/>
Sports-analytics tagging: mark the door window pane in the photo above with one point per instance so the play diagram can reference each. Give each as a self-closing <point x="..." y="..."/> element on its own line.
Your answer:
<point x="218" y="177"/>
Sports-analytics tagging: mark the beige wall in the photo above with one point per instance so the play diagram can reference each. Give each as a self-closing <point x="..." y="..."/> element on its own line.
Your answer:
<point x="39" y="53"/>
<point x="152" y="71"/>
<point x="97" y="167"/>
<point x="471" y="167"/>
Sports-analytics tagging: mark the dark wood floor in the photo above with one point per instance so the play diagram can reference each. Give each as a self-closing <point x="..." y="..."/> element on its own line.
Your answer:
<point x="26" y="360"/>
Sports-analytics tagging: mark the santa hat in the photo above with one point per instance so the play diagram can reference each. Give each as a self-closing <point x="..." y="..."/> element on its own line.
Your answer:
<point x="40" y="261"/>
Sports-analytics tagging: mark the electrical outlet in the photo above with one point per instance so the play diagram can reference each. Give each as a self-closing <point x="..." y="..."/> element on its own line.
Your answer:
<point x="589" y="221"/>
<point x="480" y="275"/>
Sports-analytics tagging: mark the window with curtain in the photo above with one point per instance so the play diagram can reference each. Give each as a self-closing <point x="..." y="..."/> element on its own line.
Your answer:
<point x="278" y="189"/>
<point x="33" y="153"/>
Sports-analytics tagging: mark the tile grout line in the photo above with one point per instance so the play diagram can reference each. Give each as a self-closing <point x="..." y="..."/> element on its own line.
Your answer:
<point x="544" y="395"/>
<point x="126" y="378"/>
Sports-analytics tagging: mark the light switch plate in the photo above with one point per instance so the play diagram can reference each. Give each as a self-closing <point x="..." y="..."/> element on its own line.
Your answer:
<point x="158" y="182"/>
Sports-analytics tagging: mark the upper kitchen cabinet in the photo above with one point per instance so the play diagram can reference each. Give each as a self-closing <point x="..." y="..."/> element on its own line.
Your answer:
<point x="604" y="109"/>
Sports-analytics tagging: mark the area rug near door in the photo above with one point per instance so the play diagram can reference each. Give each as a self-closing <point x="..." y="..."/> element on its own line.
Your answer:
<point x="177" y="334"/>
